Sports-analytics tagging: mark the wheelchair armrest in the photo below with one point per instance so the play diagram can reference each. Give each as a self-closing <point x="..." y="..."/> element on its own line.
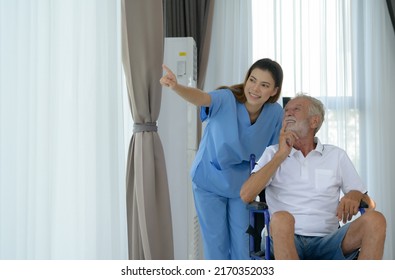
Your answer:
<point x="257" y="205"/>
<point x="363" y="204"/>
<point x="362" y="207"/>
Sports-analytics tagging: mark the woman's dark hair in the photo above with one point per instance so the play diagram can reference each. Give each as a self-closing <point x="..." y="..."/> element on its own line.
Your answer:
<point x="263" y="64"/>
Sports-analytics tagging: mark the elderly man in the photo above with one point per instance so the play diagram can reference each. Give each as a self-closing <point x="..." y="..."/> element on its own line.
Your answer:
<point x="302" y="179"/>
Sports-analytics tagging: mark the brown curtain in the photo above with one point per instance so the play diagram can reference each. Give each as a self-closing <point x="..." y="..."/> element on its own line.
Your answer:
<point x="150" y="233"/>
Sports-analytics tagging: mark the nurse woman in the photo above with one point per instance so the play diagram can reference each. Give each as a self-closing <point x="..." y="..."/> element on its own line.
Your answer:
<point x="242" y="119"/>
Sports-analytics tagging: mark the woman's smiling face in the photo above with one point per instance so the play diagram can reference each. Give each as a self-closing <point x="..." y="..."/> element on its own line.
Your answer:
<point x="260" y="86"/>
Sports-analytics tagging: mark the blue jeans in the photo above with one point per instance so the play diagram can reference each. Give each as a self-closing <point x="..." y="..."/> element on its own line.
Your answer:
<point x="322" y="247"/>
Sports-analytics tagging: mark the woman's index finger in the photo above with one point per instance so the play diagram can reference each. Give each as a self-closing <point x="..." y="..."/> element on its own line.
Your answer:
<point x="167" y="69"/>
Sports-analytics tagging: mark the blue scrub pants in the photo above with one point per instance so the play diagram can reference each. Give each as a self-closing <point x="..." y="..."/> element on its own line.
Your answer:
<point x="223" y="222"/>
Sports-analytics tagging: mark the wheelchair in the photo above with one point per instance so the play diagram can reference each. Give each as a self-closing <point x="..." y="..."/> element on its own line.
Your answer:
<point x="259" y="224"/>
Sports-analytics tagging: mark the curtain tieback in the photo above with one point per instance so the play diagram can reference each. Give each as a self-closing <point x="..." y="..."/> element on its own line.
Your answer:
<point x="145" y="127"/>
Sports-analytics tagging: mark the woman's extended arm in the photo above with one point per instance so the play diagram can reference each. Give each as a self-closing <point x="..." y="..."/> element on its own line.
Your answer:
<point x="192" y="95"/>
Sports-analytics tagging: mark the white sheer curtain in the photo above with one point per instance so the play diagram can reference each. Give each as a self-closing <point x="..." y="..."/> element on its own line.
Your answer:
<point x="374" y="64"/>
<point x="311" y="40"/>
<point x="230" y="53"/>
<point x="62" y="181"/>
<point x="343" y="53"/>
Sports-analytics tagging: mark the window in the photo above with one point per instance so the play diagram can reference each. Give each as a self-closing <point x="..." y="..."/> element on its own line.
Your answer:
<point x="312" y="42"/>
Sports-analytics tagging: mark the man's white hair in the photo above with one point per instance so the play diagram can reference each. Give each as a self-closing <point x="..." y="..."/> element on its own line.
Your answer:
<point x="316" y="108"/>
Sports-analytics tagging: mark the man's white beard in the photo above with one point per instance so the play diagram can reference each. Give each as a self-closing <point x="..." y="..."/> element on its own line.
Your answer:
<point x="301" y="128"/>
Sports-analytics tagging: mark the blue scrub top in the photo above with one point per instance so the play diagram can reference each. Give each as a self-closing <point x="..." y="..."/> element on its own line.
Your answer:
<point x="221" y="164"/>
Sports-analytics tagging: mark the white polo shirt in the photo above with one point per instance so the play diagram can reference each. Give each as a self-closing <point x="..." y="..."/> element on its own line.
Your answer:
<point x="309" y="187"/>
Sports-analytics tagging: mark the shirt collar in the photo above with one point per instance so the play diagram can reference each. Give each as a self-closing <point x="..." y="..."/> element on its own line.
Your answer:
<point x="318" y="148"/>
